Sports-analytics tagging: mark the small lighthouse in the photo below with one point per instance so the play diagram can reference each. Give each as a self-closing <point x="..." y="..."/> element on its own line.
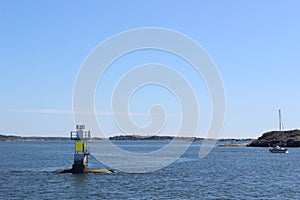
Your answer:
<point x="81" y="152"/>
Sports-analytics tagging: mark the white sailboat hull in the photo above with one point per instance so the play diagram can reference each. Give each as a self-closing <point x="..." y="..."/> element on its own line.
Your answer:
<point x="278" y="150"/>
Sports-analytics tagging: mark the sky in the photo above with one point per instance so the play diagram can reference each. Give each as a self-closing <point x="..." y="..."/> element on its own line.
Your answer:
<point x="254" y="44"/>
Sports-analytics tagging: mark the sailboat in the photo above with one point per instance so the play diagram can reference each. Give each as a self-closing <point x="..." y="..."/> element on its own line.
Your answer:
<point x="277" y="148"/>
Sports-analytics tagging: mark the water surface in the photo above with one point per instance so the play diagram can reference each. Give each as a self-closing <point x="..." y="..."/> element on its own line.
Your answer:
<point x="226" y="173"/>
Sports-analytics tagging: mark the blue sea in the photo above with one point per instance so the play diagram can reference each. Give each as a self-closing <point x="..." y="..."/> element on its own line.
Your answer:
<point x="226" y="173"/>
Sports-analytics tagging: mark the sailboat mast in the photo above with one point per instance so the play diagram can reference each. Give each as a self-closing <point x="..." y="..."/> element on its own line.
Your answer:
<point x="280" y="123"/>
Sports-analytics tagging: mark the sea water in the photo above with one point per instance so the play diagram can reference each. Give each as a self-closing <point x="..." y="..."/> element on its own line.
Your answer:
<point x="226" y="173"/>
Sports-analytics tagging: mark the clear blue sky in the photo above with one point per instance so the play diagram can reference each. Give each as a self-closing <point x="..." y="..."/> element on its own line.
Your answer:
<point x="255" y="45"/>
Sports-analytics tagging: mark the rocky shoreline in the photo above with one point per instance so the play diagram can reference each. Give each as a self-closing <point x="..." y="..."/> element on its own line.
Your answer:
<point x="290" y="138"/>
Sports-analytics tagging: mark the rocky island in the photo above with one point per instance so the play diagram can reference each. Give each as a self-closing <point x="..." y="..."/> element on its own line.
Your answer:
<point x="289" y="138"/>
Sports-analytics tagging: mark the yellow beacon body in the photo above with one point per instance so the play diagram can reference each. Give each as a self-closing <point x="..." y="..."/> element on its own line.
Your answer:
<point x="80" y="146"/>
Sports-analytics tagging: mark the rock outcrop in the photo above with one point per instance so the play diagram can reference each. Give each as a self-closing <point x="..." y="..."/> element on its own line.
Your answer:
<point x="289" y="138"/>
<point x="88" y="170"/>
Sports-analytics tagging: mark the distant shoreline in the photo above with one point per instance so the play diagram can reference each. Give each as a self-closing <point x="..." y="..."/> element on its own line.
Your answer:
<point x="12" y="138"/>
<point x="289" y="138"/>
